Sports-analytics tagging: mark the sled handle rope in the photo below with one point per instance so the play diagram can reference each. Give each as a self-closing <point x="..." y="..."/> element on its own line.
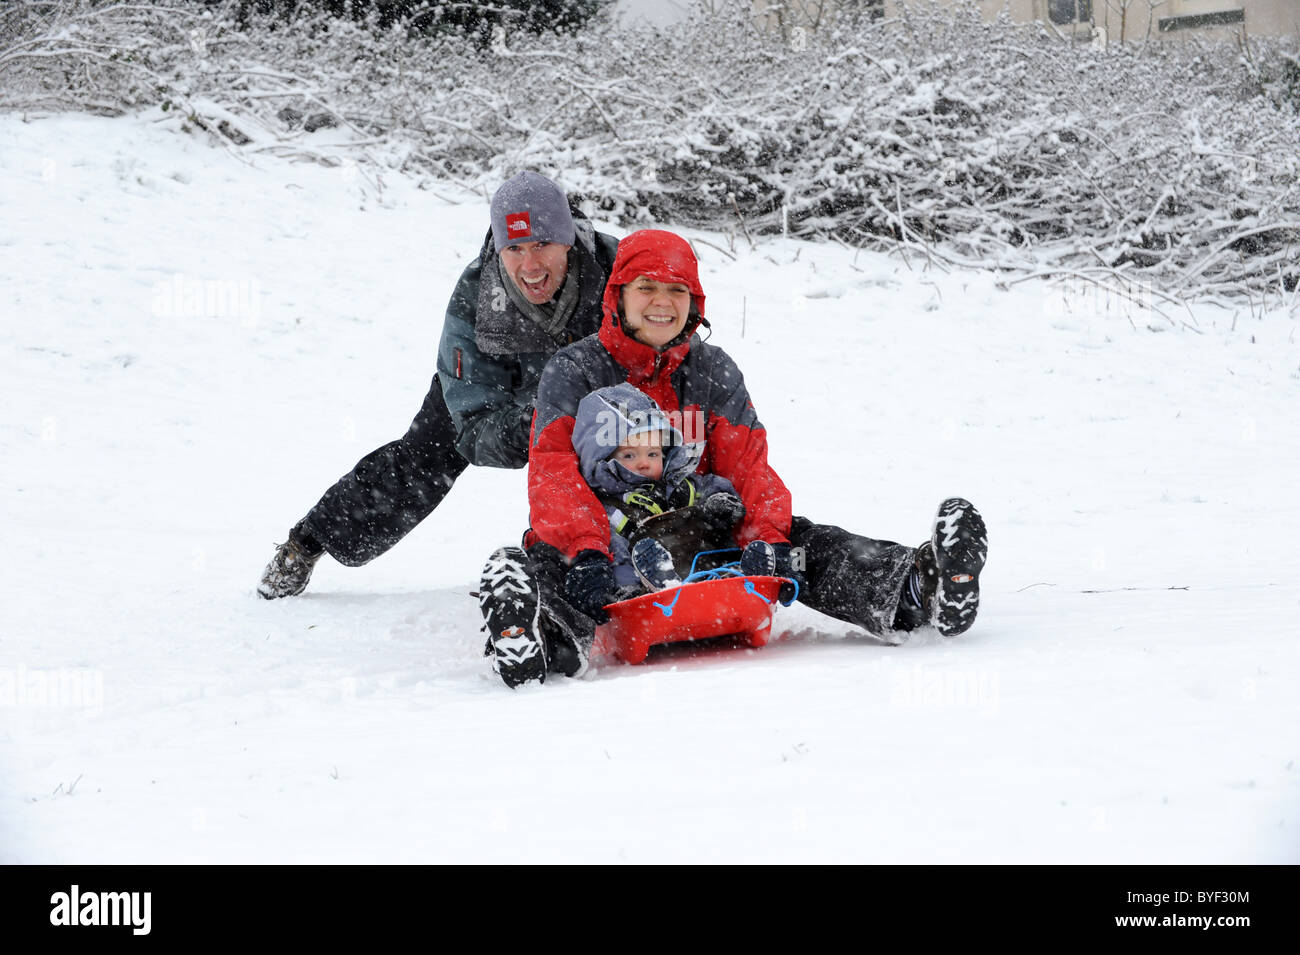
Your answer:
<point x="731" y="569"/>
<point x="726" y="570"/>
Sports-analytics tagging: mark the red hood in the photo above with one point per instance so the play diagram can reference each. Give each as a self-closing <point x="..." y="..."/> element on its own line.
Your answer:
<point x="664" y="257"/>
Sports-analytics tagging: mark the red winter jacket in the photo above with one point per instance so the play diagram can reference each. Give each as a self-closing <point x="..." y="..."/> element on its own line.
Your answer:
<point x="696" y="383"/>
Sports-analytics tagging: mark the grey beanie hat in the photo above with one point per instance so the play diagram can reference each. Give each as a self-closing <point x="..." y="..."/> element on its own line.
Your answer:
<point x="531" y="208"/>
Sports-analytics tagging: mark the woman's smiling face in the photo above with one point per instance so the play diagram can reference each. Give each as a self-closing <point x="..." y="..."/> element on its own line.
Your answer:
<point x="654" y="313"/>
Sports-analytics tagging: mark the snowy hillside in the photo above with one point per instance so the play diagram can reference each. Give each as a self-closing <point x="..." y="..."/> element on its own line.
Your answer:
<point x="194" y="346"/>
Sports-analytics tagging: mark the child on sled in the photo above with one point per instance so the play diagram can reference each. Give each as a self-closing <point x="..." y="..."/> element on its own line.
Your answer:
<point x="643" y="471"/>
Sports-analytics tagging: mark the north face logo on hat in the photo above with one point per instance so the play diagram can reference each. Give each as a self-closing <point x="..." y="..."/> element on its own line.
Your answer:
<point x="518" y="225"/>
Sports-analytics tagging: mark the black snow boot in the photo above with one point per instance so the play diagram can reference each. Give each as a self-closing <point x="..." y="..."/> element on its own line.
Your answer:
<point x="946" y="579"/>
<point x="654" y="565"/>
<point x="569" y="634"/>
<point x="758" y="559"/>
<point x="568" y="647"/>
<point x="508" y="599"/>
<point x="290" y="569"/>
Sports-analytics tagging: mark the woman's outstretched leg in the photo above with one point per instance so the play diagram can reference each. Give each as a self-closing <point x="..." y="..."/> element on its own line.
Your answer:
<point x="883" y="586"/>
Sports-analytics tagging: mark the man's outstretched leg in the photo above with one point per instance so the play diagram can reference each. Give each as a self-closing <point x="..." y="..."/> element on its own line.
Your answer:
<point x="376" y="504"/>
<point x="290" y="569"/>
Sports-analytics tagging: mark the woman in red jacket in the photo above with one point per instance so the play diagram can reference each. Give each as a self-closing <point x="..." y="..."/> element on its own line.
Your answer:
<point x="542" y="606"/>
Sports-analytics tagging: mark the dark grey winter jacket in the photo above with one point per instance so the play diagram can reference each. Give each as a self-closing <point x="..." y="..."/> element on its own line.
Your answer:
<point x="491" y="355"/>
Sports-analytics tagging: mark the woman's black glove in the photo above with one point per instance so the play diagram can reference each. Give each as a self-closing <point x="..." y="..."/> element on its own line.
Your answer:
<point x="721" y="511"/>
<point x="589" y="584"/>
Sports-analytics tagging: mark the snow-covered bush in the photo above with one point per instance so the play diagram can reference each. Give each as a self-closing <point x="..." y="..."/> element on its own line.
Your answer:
<point x="1176" y="164"/>
<point x="475" y="20"/>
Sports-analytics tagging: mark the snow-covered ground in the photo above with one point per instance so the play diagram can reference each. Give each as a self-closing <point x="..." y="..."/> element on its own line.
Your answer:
<point x="1128" y="694"/>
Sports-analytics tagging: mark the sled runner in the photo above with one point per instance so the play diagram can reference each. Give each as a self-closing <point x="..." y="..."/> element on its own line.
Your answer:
<point x="708" y="603"/>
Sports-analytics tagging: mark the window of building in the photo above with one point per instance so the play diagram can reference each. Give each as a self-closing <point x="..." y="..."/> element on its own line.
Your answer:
<point x="1069" y="11"/>
<point x="1192" y="22"/>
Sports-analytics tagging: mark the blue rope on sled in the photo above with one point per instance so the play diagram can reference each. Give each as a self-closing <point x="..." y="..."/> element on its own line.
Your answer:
<point x="721" y="572"/>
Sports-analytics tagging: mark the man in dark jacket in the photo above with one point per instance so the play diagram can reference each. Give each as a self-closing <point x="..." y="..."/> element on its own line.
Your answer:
<point x="535" y="287"/>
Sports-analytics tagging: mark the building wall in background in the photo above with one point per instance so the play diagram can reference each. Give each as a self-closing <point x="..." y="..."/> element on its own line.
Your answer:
<point x="1105" y="20"/>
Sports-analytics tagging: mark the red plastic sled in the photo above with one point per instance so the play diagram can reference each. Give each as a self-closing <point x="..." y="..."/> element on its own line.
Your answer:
<point x="741" y="606"/>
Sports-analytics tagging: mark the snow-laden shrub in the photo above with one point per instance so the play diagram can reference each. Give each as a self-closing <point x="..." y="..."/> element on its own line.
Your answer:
<point x="1275" y="71"/>
<point x="474" y="20"/>
<point x="1173" y="163"/>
